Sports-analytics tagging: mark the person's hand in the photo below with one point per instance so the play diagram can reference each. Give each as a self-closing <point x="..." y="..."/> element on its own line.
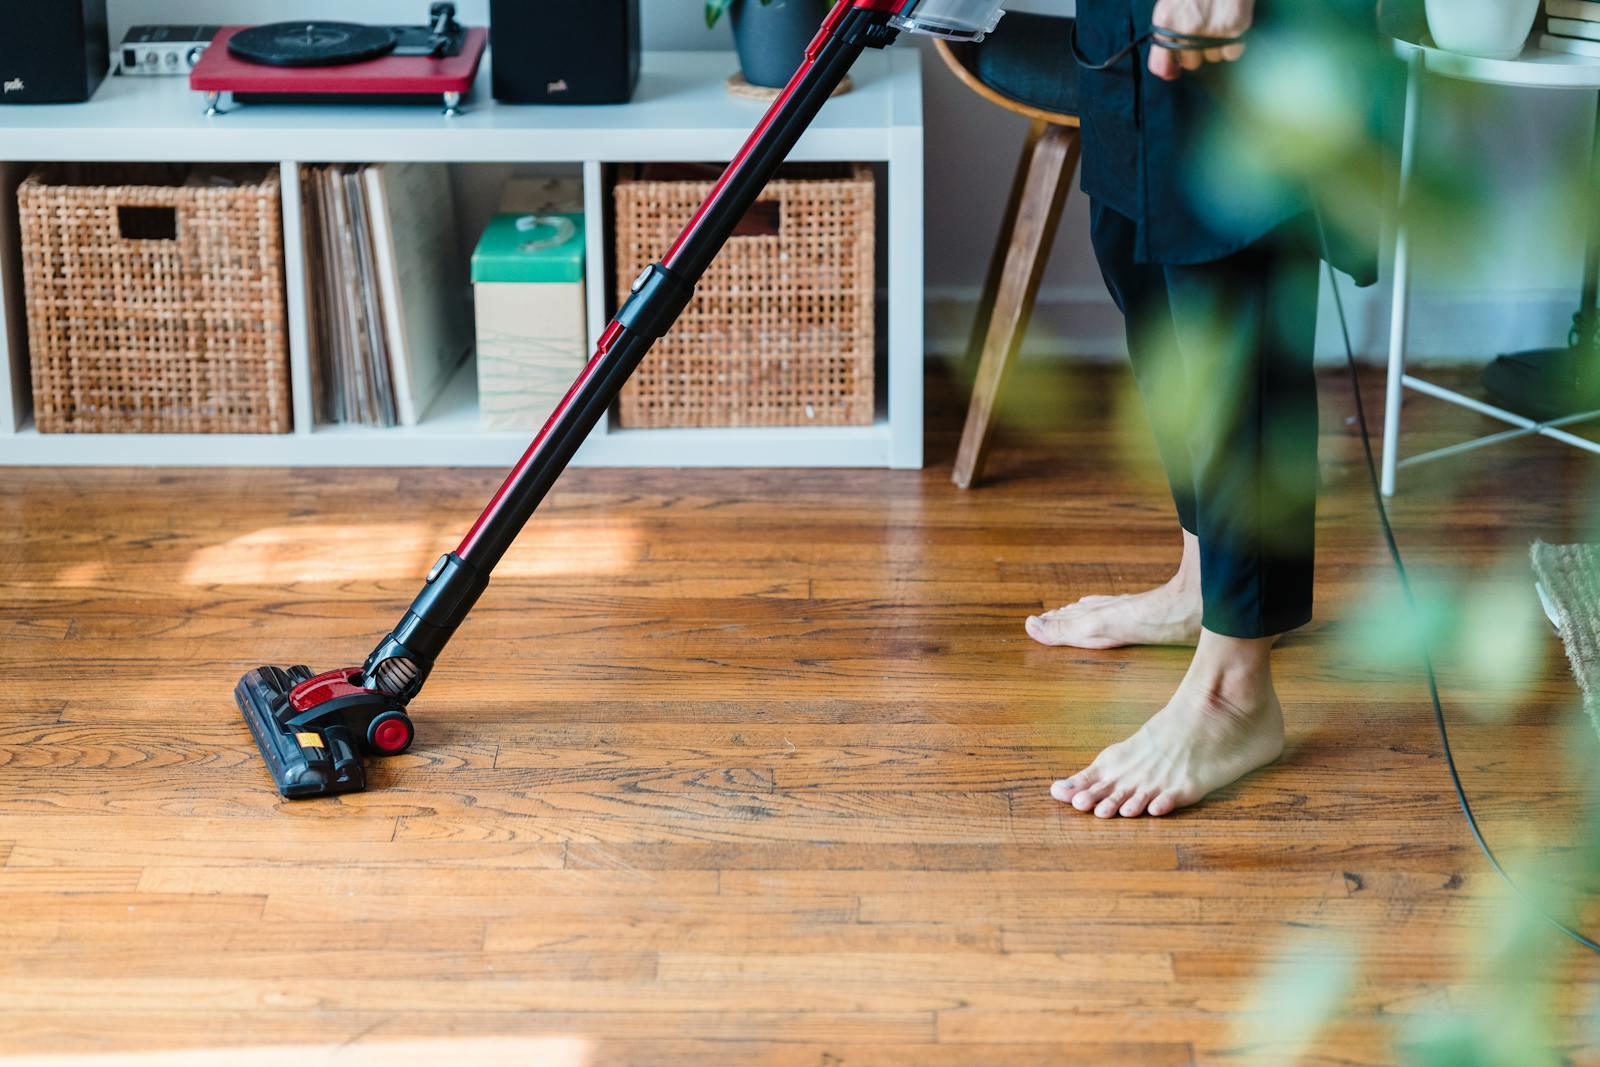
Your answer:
<point x="1200" y="18"/>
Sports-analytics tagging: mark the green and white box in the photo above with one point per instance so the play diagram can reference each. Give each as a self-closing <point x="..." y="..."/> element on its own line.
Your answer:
<point x="528" y="276"/>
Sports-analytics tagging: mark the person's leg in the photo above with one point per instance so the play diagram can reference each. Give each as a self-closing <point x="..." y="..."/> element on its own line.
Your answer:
<point x="1246" y="328"/>
<point x="1170" y="613"/>
<point x="1247" y="333"/>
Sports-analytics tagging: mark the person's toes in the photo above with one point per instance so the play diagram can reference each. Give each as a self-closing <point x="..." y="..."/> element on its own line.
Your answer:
<point x="1137" y="803"/>
<point x="1038" y="628"/>
<point x="1162" y="804"/>
<point x="1065" y="612"/>
<point x="1066" y="631"/>
<point x="1067" y="788"/>
<point x="1062" y="630"/>
<point x="1086" y="799"/>
<point x="1112" y="802"/>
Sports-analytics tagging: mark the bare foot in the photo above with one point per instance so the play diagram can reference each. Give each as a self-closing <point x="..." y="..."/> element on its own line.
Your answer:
<point x="1167" y="615"/>
<point x="1224" y="722"/>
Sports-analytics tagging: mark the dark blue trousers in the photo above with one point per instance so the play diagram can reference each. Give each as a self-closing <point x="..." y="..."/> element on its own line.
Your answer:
<point x="1222" y="352"/>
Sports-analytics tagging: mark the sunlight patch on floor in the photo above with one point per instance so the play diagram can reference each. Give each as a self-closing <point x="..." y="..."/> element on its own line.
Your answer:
<point x="587" y="549"/>
<point x="89" y="574"/>
<point x="367" y="552"/>
<point x="318" y="552"/>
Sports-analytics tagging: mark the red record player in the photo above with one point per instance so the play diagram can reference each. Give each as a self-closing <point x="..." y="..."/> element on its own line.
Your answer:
<point x="321" y="62"/>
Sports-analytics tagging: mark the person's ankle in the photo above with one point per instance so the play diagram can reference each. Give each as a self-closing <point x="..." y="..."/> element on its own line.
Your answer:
<point x="1234" y="696"/>
<point x="1185" y="584"/>
<point x="1231" y="673"/>
<point x="1187" y="578"/>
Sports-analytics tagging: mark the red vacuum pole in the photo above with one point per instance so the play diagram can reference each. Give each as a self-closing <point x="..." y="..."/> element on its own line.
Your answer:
<point x="400" y="663"/>
<point x="311" y="730"/>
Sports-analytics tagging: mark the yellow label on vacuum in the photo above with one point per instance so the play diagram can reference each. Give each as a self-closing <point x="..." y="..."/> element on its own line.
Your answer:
<point x="309" y="740"/>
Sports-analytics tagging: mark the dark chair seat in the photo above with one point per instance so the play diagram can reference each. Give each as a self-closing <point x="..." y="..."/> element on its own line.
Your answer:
<point x="1029" y="59"/>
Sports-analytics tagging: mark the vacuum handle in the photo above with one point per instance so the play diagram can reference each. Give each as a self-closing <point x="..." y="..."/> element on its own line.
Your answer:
<point x="664" y="289"/>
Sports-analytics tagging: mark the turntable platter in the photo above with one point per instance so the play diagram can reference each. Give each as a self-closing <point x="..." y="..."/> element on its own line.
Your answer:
<point x="311" y="44"/>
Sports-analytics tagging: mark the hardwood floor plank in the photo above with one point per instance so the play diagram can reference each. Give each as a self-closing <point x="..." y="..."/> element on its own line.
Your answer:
<point x="496" y="997"/>
<point x="880" y="856"/>
<point x="578" y="908"/>
<point x="689" y="1054"/>
<point x="287" y="825"/>
<point x="167" y="854"/>
<point x="575" y="1051"/>
<point x="448" y="1033"/>
<point x="1012" y="972"/>
<point x="133" y="907"/>
<point x="433" y="879"/>
<point x="36" y="880"/>
<point x="806" y="930"/>
<point x="1327" y="884"/>
<point x="163" y="942"/>
<point x="336" y="960"/>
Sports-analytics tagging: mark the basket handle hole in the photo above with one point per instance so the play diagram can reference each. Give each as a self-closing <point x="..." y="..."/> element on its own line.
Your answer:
<point x="764" y="219"/>
<point x="147" y="223"/>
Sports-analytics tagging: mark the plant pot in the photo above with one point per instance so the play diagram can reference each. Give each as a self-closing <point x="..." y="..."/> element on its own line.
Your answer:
<point x="1492" y="29"/>
<point x="772" y="38"/>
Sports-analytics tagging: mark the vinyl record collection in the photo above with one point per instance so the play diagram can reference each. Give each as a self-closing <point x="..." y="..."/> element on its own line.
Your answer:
<point x="389" y="324"/>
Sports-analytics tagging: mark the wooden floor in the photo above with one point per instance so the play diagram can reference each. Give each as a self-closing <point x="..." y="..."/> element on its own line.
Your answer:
<point x="752" y="768"/>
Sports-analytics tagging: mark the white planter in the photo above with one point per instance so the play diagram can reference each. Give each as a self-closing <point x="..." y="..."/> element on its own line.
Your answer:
<point x="1493" y="29"/>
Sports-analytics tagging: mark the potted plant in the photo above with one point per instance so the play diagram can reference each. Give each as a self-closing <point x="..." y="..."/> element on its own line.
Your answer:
<point x="770" y="35"/>
<point x="1493" y="29"/>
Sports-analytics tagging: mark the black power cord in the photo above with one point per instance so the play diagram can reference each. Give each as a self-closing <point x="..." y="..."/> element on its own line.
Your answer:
<point x="1411" y="603"/>
<point x="1171" y="40"/>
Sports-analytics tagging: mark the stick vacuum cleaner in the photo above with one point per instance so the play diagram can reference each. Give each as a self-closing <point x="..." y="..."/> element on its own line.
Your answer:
<point x="313" y="729"/>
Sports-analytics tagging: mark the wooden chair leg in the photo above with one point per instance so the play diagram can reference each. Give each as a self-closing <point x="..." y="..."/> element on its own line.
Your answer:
<point x="1002" y="251"/>
<point x="1050" y="168"/>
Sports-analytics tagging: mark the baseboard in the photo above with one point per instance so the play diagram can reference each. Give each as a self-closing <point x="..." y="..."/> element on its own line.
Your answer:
<point x="1069" y="322"/>
<point x="1462" y="327"/>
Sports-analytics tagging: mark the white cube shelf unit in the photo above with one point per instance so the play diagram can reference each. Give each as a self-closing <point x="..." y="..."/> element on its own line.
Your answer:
<point x="682" y="113"/>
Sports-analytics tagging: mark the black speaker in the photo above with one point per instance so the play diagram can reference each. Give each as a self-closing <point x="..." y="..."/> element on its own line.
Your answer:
<point x="564" y="51"/>
<point x="52" y="51"/>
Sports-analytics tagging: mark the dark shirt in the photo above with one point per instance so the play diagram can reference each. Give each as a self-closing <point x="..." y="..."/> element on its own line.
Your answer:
<point x="1165" y="154"/>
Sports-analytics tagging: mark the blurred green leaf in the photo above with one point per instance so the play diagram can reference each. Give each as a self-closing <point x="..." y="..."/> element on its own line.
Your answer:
<point x="1295" y="999"/>
<point x="1486" y="629"/>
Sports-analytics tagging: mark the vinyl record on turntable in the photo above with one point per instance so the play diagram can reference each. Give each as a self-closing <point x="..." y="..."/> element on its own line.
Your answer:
<point x="311" y="44"/>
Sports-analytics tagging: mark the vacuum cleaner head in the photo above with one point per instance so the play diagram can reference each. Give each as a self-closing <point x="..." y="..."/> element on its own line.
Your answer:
<point x="311" y="729"/>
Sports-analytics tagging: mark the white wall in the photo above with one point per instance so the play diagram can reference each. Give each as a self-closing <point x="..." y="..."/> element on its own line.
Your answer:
<point x="1519" y="291"/>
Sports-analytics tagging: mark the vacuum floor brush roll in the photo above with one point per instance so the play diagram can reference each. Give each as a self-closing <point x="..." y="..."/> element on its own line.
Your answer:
<point x="313" y="729"/>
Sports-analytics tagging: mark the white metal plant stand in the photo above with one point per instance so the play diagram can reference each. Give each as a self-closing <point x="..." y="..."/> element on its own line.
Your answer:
<point x="1534" y="69"/>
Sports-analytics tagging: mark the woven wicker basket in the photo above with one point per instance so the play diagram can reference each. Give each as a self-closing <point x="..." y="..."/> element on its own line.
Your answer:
<point x="155" y="299"/>
<point x="782" y="330"/>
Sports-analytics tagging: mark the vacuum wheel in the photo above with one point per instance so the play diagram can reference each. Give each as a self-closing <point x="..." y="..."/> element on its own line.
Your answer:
<point x="390" y="733"/>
